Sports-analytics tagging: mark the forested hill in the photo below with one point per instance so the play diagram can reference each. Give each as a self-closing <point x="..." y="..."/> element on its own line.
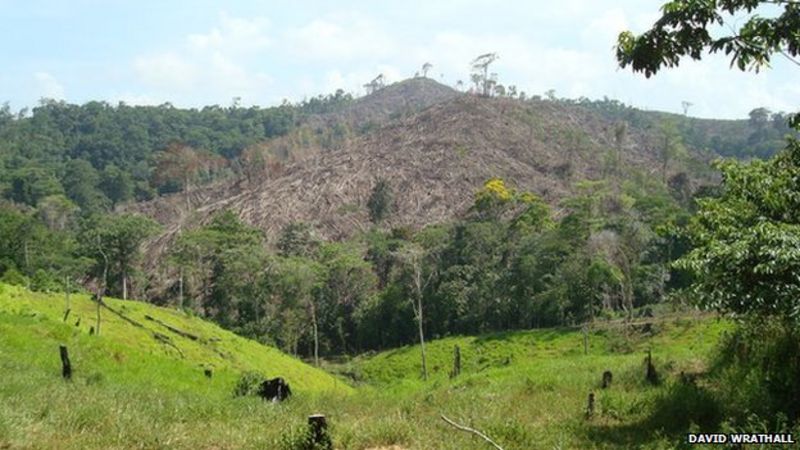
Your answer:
<point x="98" y="155"/>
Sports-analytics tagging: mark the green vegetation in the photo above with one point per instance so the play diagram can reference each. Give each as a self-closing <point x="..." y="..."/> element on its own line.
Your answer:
<point x="525" y="389"/>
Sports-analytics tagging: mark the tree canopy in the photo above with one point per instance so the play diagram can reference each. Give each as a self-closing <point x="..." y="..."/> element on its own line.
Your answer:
<point x="687" y="27"/>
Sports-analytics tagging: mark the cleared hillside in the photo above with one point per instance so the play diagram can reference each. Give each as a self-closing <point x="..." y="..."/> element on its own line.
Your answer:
<point x="159" y="347"/>
<point x="527" y="390"/>
<point x="434" y="160"/>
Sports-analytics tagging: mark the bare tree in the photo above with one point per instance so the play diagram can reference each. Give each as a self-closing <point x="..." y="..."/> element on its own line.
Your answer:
<point x="425" y="68"/>
<point x="412" y="256"/>
<point x="480" y="66"/>
<point x="686" y="105"/>
<point x="376" y="84"/>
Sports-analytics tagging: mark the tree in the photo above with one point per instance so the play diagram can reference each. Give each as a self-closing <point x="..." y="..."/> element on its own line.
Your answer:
<point x="412" y="258"/>
<point x="670" y="146"/>
<point x="298" y="239"/>
<point x="746" y="254"/>
<point x="177" y="167"/>
<point x="114" y="241"/>
<point x="381" y="201"/>
<point x="300" y="279"/>
<point x="683" y="30"/>
<point x="480" y="67"/>
<point x="116" y="184"/>
<point x="375" y="84"/>
<point x="686" y="105"/>
<point x="426" y="68"/>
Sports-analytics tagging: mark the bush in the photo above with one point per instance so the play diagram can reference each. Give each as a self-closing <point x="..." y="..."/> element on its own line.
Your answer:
<point x="248" y="384"/>
<point x="13" y="277"/>
<point x="758" y="371"/>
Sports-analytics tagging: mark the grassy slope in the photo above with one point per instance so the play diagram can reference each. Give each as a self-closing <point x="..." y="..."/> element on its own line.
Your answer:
<point x="123" y="370"/>
<point x="529" y="389"/>
<point x="526" y="389"/>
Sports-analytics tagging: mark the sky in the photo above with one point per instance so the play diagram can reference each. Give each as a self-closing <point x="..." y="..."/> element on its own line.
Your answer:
<point x="202" y="52"/>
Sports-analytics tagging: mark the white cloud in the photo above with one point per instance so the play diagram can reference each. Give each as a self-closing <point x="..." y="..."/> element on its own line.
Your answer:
<point x="167" y="70"/>
<point x="49" y="86"/>
<point x="343" y="37"/>
<point x="234" y="36"/>
<point x="215" y="66"/>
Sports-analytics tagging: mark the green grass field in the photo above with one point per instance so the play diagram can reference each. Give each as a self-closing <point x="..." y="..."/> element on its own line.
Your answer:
<point x="527" y="390"/>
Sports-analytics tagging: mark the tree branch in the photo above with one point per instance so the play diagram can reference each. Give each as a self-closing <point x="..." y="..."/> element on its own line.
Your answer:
<point x="473" y="431"/>
<point x="789" y="57"/>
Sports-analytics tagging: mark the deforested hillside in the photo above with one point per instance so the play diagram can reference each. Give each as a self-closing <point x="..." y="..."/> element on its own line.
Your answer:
<point x="434" y="160"/>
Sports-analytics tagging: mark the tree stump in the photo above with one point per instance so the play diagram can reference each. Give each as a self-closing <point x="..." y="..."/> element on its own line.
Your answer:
<point x="590" y="406"/>
<point x="652" y="375"/>
<point x="66" y="367"/>
<point x="208" y="373"/>
<point x="456" y="362"/>
<point x="607" y="377"/>
<point x="318" y="437"/>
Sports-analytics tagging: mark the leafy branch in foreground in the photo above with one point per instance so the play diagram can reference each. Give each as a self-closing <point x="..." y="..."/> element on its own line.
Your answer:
<point x="747" y="255"/>
<point x="683" y="30"/>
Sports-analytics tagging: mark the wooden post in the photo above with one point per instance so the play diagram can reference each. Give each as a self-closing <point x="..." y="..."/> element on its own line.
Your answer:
<point x="66" y="367"/>
<point x="318" y="437"/>
<point x="590" y="406"/>
<point x="456" y="362"/>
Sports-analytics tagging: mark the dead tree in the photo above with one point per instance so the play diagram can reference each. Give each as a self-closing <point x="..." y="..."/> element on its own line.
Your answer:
<point x="480" y="66"/>
<point x="412" y="257"/>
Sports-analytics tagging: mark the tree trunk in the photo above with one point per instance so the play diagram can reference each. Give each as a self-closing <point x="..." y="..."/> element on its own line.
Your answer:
<point x="316" y="333"/>
<point x="180" y="289"/>
<point x="66" y="294"/>
<point x="124" y="284"/>
<point x="421" y="338"/>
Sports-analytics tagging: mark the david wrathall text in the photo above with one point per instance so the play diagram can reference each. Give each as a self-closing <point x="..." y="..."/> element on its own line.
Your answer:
<point x="740" y="438"/>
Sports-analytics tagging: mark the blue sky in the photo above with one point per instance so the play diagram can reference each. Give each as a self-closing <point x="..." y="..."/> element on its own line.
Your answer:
<point x="194" y="53"/>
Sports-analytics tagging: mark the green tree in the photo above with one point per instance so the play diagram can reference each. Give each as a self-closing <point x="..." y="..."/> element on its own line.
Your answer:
<point x="381" y="201"/>
<point x="114" y="241"/>
<point x="747" y="252"/>
<point x="684" y="30"/>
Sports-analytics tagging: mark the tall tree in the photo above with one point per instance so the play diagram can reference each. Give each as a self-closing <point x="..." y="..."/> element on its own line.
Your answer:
<point x="480" y="66"/>
<point x="115" y="243"/>
<point x="418" y="276"/>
